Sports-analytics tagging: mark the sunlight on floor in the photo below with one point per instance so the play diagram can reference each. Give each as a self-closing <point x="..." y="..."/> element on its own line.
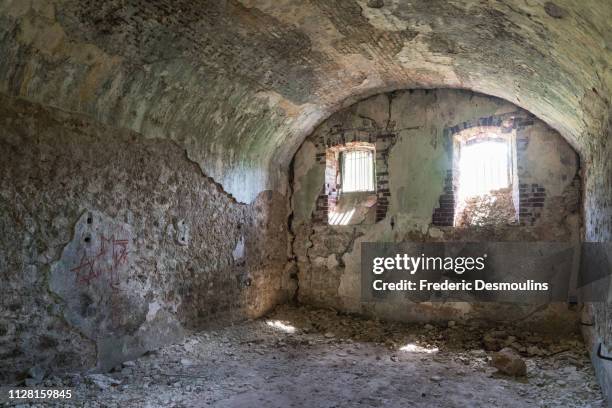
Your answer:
<point x="413" y="348"/>
<point x="341" y="218"/>
<point x="277" y="324"/>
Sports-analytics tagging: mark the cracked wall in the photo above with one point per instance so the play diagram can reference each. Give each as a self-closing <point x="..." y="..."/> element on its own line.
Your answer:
<point x="239" y="84"/>
<point x="113" y="245"/>
<point x="423" y="123"/>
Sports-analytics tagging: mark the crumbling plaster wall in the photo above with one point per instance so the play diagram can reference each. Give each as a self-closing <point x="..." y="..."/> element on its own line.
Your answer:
<point x="113" y="244"/>
<point x="240" y="83"/>
<point x="328" y="257"/>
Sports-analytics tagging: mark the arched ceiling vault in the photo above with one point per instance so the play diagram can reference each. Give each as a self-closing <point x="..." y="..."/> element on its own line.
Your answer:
<point x="240" y="84"/>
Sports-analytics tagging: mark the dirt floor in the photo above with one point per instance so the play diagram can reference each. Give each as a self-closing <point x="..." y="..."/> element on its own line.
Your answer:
<point x="301" y="357"/>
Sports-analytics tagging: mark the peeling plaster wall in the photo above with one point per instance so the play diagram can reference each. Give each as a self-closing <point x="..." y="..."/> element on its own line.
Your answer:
<point x="240" y="83"/>
<point x="113" y="244"/>
<point x="328" y="257"/>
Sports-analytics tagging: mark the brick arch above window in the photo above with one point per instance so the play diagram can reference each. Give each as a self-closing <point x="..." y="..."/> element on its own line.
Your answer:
<point x="494" y="127"/>
<point x="328" y="146"/>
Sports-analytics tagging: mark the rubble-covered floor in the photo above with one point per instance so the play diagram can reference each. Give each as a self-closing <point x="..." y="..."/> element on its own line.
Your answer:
<point x="300" y="357"/>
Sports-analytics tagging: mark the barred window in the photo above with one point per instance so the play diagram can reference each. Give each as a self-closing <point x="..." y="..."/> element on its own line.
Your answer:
<point x="357" y="170"/>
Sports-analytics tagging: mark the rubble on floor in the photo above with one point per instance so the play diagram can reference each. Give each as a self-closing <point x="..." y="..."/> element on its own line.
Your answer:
<point x="508" y="362"/>
<point x="299" y="356"/>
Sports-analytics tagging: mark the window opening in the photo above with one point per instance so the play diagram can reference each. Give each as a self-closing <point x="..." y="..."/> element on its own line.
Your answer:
<point x="357" y="171"/>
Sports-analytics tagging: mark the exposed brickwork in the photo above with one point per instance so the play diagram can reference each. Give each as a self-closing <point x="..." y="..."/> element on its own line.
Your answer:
<point x="325" y="156"/>
<point x="420" y="171"/>
<point x="326" y="201"/>
<point x="532" y="198"/>
<point x="506" y="123"/>
<point x="383" y="143"/>
<point x="321" y="210"/>
<point x="444" y="215"/>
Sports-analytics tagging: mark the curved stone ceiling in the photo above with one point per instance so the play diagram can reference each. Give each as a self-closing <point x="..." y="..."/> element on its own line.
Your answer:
<point x="239" y="84"/>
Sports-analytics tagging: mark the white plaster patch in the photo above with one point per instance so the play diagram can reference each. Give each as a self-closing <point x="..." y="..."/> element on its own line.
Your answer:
<point x="182" y="233"/>
<point x="152" y="312"/>
<point x="238" y="252"/>
<point x="93" y="270"/>
<point x="332" y="262"/>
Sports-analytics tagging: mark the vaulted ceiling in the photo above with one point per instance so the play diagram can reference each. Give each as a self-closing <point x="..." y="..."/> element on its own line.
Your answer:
<point x="240" y="84"/>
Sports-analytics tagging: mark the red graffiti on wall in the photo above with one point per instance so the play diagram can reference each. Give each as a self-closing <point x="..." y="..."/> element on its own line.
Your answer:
<point x="113" y="254"/>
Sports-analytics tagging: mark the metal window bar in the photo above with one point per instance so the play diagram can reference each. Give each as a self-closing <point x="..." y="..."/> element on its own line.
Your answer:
<point x="357" y="171"/>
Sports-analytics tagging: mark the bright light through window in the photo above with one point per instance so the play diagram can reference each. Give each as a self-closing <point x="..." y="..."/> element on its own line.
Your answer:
<point x="357" y="171"/>
<point x="483" y="167"/>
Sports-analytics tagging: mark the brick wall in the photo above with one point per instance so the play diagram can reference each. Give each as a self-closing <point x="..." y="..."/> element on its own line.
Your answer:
<point x="328" y="147"/>
<point x="531" y="203"/>
<point x="383" y="146"/>
<point x="444" y="214"/>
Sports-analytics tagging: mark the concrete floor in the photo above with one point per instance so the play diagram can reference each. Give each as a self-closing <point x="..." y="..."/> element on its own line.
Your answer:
<point x="299" y="357"/>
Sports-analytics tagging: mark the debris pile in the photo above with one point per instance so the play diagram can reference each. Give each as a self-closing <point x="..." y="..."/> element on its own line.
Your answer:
<point x="304" y="354"/>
